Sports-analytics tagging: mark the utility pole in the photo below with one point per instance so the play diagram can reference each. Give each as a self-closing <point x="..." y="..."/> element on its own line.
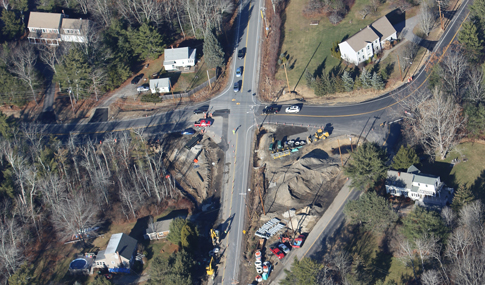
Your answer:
<point x="287" y="81"/>
<point x="441" y="18"/>
<point x="400" y="71"/>
<point x="339" y="151"/>
<point x="263" y="15"/>
<point x="261" y="197"/>
<point x="209" y="80"/>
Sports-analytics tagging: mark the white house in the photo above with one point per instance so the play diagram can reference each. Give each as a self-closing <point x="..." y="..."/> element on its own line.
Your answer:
<point x="119" y="255"/>
<point x="52" y="28"/>
<point x="161" y="85"/>
<point x="369" y="41"/>
<point x="74" y="30"/>
<point x="176" y="58"/>
<point x="425" y="189"/>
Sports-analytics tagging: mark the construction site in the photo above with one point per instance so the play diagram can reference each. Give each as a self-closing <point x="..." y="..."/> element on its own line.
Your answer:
<point x="296" y="175"/>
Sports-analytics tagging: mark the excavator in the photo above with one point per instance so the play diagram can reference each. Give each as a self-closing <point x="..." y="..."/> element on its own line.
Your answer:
<point x="214" y="236"/>
<point x="210" y="269"/>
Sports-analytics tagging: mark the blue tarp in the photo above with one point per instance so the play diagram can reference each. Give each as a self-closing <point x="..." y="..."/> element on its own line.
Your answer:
<point x="119" y="270"/>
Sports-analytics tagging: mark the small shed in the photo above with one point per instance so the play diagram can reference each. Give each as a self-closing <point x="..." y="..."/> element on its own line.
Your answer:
<point x="160" y="229"/>
<point x="161" y="85"/>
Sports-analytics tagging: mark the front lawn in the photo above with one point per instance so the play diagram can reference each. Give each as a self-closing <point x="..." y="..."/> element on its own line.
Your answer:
<point x="301" y="40"/>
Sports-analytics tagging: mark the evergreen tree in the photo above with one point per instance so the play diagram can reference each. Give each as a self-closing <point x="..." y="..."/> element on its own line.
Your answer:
<point x="335" y="51"/>
<point x="338" y="84"/>
<point x="12" y="25"/>
<point x="309" y="78"/>
<point x="176" y="270"/>
<point x="404" y="158"/>
<point x="470" y="38"/>
<point x="476" y="119"/>
<point x="463" y="196"/>
<point x="73" y="73"/>
<point x="100" y="280"/>
<point x="373" y="212"/>
<point x="367" y="166"/>
<point x="348" y="81"/>
<point x="23" y="276"/>
<point x="421" y="221"/>
<point x="303" y="271"/>
<point x="321" y="85"/>
<point x="366" y="79"/>
<point x="213" y="52"/>
<point x="358" y="83"/>
<point x="478" y="9"/>
<point x="188" y="237"/>
<point x="147" y="42"/>
<point x="175" y="233"/>
<point x="377" y="82"/>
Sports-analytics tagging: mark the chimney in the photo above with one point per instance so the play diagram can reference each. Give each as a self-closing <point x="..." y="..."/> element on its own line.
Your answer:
<point x="399" y="173"/>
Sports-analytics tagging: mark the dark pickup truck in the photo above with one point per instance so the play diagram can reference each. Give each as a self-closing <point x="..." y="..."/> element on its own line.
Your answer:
<point x="270" y="110"/>
<point x="240" y="53"/>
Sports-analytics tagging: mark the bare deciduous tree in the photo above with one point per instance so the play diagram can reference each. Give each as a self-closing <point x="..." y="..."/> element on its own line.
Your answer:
<point x="22" y="64"/>
<point x="476" y="88"/>
<point x="431" y="277"/>
<point x="437" y="123"/>
<point x="51" y="55"/>
<point x="11" y="246"/>
<point x="426" y="18"/>
<point x="454" y="68"/>
<point x="365" y="11"/>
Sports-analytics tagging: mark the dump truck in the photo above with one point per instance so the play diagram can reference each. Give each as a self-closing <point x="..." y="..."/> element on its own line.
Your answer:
<point x="297" y="242"/>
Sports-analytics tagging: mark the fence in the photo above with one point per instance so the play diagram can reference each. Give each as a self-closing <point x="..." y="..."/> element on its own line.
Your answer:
<point x="190" y="93"/>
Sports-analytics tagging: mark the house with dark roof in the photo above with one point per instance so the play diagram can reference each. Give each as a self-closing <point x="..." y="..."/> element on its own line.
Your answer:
<point x="119" y="255"/>
<point x="424" y="189"/>
<point x="179" y="59"/>
<point x="368" y="42"/>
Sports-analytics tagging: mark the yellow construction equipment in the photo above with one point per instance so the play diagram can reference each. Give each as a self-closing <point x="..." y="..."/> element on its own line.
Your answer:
<point x="214" y="236"/>
<point x="210" y="269"/>
<point x="321" y="135"/>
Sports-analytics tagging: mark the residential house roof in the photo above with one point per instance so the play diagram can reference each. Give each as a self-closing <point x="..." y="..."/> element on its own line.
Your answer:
<point x="362" y="38"/>
<point x="383" y="28"/>
<point x="413" y="169"/>
<point x="100" y="255"/>
<point x="159" y="83"/>
<point x="173" y="54"/>
<point x="160" y="226"/>
<point x="400" y="179"/>
<point x="44" y="20"/>
<point x="68" y="23"/>
<point x="425" y="179"/>
<point x="121" y="243"/>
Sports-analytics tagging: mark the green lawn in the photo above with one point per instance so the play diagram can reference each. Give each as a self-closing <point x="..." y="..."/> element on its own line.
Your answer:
<point x="187" y="81"/>
<point x="302" y="40"/>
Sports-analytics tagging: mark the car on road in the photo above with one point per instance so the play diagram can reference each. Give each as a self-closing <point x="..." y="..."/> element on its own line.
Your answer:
<point x="239" y="71"/>
<point x="143" y="88"/>
<point x="270" y="110"/>
<point x="236" y="86"/>
<point x="201" y="109"/>
<point x="203" y="123"/>
<point x="284" y="248"/>
<point x="240" y="53"/>
<point x="188" y="131"/>
<point x="292" y="109"/>
<point x="276" y="251"/>
<point x="137" y="78"/>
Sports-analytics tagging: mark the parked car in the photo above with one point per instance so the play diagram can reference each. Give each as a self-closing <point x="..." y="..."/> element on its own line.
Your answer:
<point x="240" y="53"/>
<point x="236" y="86"/>
<point x="276" y="251"/>
<point x="203" y="123"/>
<point x="293" y="109"/>
<point x="137" y="78"/>
<point x="239" y="71"/>
<point x="143" y="88"/>
<point x="201" y="109"/>
<point x="284" y="248"/>
<point x="270" y="110"/>
<point x="188" y="131"/>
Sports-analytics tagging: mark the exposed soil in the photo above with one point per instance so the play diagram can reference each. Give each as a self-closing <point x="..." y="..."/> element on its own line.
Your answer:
<point x="306" y="181"/>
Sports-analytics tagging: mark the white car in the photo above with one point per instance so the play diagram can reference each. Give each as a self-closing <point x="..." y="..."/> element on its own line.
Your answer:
<point x="283" y="247"/>
<point x="143" y="88"/>
<point x="293" y="109"/>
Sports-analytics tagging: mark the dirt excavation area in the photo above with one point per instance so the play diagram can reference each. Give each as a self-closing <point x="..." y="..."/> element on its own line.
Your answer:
<point x="296" y="187"/>
<point x="197" y="164"/>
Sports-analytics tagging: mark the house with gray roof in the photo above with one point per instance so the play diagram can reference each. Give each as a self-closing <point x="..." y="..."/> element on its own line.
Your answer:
<point x="368" y="42"/>
<point x="52" y="28"/>
<point x="160" y="85"/>
<point x="119" y="255"/>
<point x="425" y="189"/>
<point x="176" y="59"/>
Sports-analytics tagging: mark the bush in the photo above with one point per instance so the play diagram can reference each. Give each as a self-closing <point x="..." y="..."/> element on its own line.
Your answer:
<point x="151" y="98"/>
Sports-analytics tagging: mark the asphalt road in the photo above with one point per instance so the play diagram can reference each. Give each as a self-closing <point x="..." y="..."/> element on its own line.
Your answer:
<point x="246" y="114"/>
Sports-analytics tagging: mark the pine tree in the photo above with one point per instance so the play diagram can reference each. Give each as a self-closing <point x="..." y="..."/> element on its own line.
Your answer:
<point x="367" y="166"/>
<point x="470" y="38"/>
<point x="404" y="158"/>
<point x="146" y="42"/>
<point x="463" y="196"/>
<point x="348" y="81"/>
<point x="188" y="237"/>
<point x="303" y="271"/>
<point x="175" y="270"/>
<point x="73" y="73"/>
<point x="12" y="25"/>
<point x="377" y="82"/>
<point x="176" y="226"/>
<point x="213" y="53"/>
<point x="421" y="221"/>
<point x="309" y="78"/>
<point x="366" y="79"/>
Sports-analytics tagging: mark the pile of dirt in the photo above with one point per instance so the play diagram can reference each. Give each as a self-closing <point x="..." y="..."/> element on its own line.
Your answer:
<point x="198" y="171"/>
<point x="301" y="183"/>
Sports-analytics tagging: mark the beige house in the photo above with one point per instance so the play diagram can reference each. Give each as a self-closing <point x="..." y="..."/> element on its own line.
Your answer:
<point x="119" y="255"/>
<point x="52" y="28"/>
<point x="157" y="230"/>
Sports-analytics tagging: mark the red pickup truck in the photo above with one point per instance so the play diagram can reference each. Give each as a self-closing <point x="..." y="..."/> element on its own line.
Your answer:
<point x="203" y="123"/>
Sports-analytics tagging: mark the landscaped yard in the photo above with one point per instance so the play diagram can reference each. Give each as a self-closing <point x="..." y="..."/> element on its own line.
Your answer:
<point x="301" y="40"/>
